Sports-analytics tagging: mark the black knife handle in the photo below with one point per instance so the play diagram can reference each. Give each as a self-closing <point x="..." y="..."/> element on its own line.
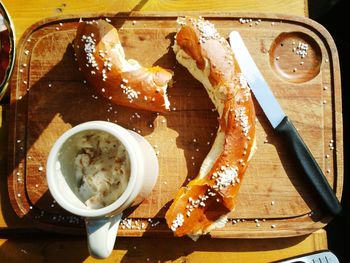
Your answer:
<point x="309" y="165"/>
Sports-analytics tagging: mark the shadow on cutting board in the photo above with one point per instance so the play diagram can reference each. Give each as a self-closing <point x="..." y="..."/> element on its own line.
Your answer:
<point x="67" y="89"/>
<point x="53" y="99"/>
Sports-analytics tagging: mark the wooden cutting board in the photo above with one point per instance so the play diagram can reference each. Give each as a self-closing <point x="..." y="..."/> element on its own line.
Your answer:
<point x="49" y="96"/>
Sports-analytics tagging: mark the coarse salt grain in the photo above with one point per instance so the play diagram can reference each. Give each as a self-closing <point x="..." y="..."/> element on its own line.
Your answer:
<point x="178" y="221"/>
<point x="242" y="119"/>
<point x="130" y="93"/>
<point x="225" y="177"/>
<point x="301" y="49"/>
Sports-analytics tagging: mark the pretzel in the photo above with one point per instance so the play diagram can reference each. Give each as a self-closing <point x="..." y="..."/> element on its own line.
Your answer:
<point x="204" y="203"/>
<point x="101" y="58"/>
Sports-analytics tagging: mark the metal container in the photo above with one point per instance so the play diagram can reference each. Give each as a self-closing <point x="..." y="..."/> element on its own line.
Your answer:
<point x="7" y="49"/>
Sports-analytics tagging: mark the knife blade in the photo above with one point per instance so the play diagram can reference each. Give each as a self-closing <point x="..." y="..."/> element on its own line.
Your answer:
<point x="282" y="124"/>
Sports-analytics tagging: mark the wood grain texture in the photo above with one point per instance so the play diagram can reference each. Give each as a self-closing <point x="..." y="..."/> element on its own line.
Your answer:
<point x="25" y="12"/>
<point x="49" y="249"/>
<point x="48" y="96"/>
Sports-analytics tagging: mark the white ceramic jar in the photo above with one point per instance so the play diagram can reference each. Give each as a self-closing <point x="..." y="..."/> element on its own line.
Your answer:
<point x="102" y="223"/>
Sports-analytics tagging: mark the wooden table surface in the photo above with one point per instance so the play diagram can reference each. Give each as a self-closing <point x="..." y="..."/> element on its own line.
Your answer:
<point x="19" y="242"/>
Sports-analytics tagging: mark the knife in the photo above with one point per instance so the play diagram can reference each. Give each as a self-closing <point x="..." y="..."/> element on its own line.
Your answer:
<point x="282" y="124"/>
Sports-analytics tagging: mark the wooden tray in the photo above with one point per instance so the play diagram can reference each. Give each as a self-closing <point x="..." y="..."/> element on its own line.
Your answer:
<point x="49" y="96"/>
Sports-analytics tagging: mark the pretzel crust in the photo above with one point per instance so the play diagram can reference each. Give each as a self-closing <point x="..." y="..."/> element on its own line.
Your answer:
<point x="203" y="204"/>
<point x="101" y="58"/>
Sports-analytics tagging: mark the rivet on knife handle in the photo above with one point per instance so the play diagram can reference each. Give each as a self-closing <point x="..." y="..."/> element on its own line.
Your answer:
<point x="280" y="122"/>
<point x="309" y="165"/>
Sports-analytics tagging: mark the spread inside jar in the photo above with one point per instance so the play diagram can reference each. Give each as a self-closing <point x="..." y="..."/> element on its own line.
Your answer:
<point x="102" y="168"/>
